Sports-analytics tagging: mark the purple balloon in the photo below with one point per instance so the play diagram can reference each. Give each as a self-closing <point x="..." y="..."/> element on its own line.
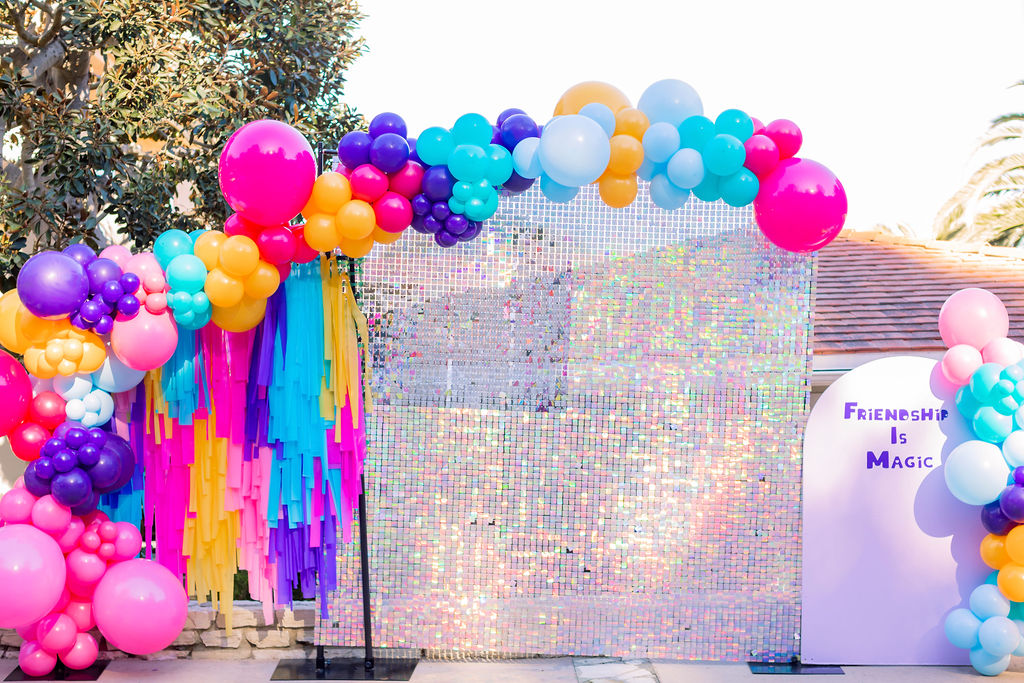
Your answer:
<point x="354" y="149"/>
<point x="63" y="428"/>
<point x="90" y="504"/>
<point x="130" y="283"/>
<point x="128" y="305"/>
<point x="503" y="116"/>
<point x="420" y="205"/>
<point x="446" y="239"/>
<point x="71" y="488"/>
<point x="78" y="321"/>
<point x="431" y="225"/>
<point x="90" y="312"/>
<point x="417" y="223"/>
<point x="107" y="470"/>
<point x="440" y="210"/>
<point x="88" y="455"/>
<point x="112" y="291"/>
<point x="456" y="224"/>
<point x="104" y="325"/>
<point x="52" y="285"/>
<point x="386" y="122"/>
<point x="64" y="461"/>
<point x="53" y="446"/>
<point x="413" y="156"/>
<point x="472" y="231"/>
<point x="495" y="135"/>
<point x="76" y="437"/>
<point x="517" y="128"/>
<point x="389" y="152"/>
<point x="98" y="437"/>
<point x="35" y="484"/>
<point x="126" y="457"/>
<point x="438" y="183"/>
<point x="1018" y="472"/>
<point x="1011" y="502"/>
<point x="100" y="272"/>
<point x="518" y="183"/>
<point x="80" y="253"/>
<point x="44" y="469"/>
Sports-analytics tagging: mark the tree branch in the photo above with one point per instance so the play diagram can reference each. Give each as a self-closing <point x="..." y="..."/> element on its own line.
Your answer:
<point x="43" y="60"/>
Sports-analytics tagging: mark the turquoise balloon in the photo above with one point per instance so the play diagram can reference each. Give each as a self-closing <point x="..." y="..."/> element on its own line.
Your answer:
<point x="991" y="425"/>
<point x="708" y="190"/>
<point x="201" y="303"/>
<point x="526" y="158"/>
<point x="660" y="142"/>
<point x="648" y="169"/>
<point x="468" y="162"/>
<point x="574" y="150"/>
<point x="667" y="196"/>
<point x="434" y="145"/>
<point x="984" y="380"/>
<point x="724" y="155"/>
<point x="670" y="100"/>
<point x="499" y="164"/>
<point x="180" y="301"/>
<point x="735" y="123"/>
<point x="987" y="664"/>
<point x="740" y="188"/>
<point x="560" y="194"/>
<point x="471" y="129"/>
<point x="186" y="273"/>
<point x="961" y="628"/>
<point x="966" y="403"/>
<point x="490" y="204"/>
<point x="169" y="244"/>
<point x="457" y="205"/>
<point x="686" y="169"/>
<point x="695" y="132"/>
<point x="601" y="113"/>
<point x="476" y="210"/>
<point x="993" y="580"/>
<point x="462" y="191"/>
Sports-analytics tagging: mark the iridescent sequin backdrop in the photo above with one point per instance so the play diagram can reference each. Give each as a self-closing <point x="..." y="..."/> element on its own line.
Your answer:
<point x="586" y="437"/>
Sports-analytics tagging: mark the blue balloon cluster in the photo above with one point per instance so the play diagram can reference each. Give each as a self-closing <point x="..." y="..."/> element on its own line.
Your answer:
<point x="991" y="401"/>
<point x="991" y="629"/>
<point x="572" y="151"/>
<point x="186" y="275"/>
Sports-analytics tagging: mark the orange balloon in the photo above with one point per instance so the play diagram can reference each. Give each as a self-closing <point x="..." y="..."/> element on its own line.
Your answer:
<point x="244" y="315"/>
<point x="1011" y="582"/>
<point x="355" y="221"/>
<point x="11" y="337"/>
<point x="1015" y="545"/>
<point x="321" y="232"/>
<point x="309" y="209"/>
<point x="993" y="551"/>
<point x="239" y="255"/>
<point x="627" y="155"/>
<point x="207" y="247"/>
<point x="617" y="191"/>
<point x="330" y="192"/>
<point x="263" y="281"/>
<point x="582" y="94"/>
<point x="385" y="237"/>
<point x="631" y="122"/>
<point x="357" y="248"/>
<point x="222" y="289"/>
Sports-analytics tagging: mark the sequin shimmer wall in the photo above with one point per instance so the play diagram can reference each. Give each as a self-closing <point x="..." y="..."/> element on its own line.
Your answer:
<point x="586" y="437"/>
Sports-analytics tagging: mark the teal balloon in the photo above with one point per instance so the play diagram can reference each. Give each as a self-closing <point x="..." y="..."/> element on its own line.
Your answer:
<point x="966" y="403"/>
<point x="201" y="303"/>
<point x="661" y="141"/>
<point x="601" y="113"/>
<point x="526" y="158"/>
<point x="169" y="244"/>
<point x="180" y="301"/>
<point x="724" y="155"/>
<point x="696" y="132"/>
<point x="991" y="425"/>
<point x="186" y="273"/>
<point x="984" y="380"/>
<point x="434" y="145"/>
<point x="961" y="628"/>
<point x="196" y="234"/>
<point x="470" y="129"/>
<point x="740" y="188"/>
<point x="468" y="162"/>
<point x="499" y="164"/>
<point x="490" y="204"/>
<point x="574" y="150"/>
<point x="555" y="192"/>
<point x="708" y="190"/>
<point x="987" y="664"/>
<point x="648" y="169"/>
<point x="463" y="191"/>
<point x="671" y="101"/>
<point x="1016" y="608"/>
<point x="988" y="601"/>
<point x="667" y="196"/>
<point x="476" y="210"/>
<point x="686" y="169"/>
<point x="184" y="316"/>
<point x="735" y="123"/>
<point x="998" y="636"/>
<point x="457" y="205"/>
<point x="482" y="189"/>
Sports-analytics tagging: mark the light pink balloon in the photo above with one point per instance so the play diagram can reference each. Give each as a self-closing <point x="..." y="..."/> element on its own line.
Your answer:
<point x="140" y="606"/>
<point x="56" y="633"/>
<point x="973" y="316"/>
<point x="80" y="612"/>
<point x="83" y="654"/>
<point x="118" y="254"/>
<point x="34" y="660"/>
<point x="1001" y="350"/>
<point x="16" y="506"/>
<point x="32" y="575"/>
<point x="69" y="539"/>
<point x="144" y="264"/>
<point x="146" y="341"/>
<point x="50" y="516"/>
<point x="128" y="542"/>
<point x="960" y="362"/>
<point x="84" y="571"/>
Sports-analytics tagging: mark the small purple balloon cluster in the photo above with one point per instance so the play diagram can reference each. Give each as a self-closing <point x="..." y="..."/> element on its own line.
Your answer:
<point x="77" y="465"/>
<point x="385" y="146"/>
<point x="432" y="214"/>
<point x="1007" y="511"/>
<point x="514" y="126"/>
<point x="111" y="291"/>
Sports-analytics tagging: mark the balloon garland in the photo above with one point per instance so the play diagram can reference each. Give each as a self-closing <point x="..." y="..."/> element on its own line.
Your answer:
<point x="214" y="390"/>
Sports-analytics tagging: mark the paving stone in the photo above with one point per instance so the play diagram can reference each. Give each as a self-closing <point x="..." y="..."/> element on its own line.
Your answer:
<point x="163" y="655"/>
<point x="289" y="653"/>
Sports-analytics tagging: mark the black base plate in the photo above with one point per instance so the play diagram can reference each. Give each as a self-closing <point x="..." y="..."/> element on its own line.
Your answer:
<point x="61" y="673"/>
<point x="345" y="670"/>
<point x="794" y="669"/>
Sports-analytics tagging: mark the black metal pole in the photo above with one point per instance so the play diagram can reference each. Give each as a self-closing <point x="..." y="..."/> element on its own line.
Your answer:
<point x="364" y="561"/>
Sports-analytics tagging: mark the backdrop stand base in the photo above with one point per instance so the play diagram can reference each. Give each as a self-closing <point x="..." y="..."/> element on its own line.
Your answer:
<point x="345" y="669"/>
<point x="794" y="668"/>
<point x="61" y="673"/>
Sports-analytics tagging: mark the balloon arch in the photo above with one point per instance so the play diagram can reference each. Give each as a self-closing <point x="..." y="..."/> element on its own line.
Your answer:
<point x="213" y="390"/>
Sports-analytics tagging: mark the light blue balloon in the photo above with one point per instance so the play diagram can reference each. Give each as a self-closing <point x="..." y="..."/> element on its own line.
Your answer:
<point x="471" y="129"/>
<point x="998" y="636"/>
<point x="984" y="381"/>
<point x="556" y="192"/>
<point x="961" y="628"/>
<point x="660" y="142"/>
<point x="171" y="244"/>
<point x="695" y="132"/>
<point x="987" y="601"/>
<point x="648" y="169"/>
<point x="735" y="123"/>
<point x="115" y="376"/>
<point x="1019" y="652"/>
<point x="186" y="273"/>
<point x="526" y="159"/>
<point x="988" y="665"/>
<point x="991" y="425"/>
<point x="966" y="403"/>
<point x="671" y="101"/>
<point x="601" y="113"/>
<point x="499" y="164"/>
<point x="976" y="473"/>
<point x="468" y="162"/>
<point x="574" y="150"/>
<point x="740" y="188"/>
<point x="724" y="155"/>
<point x="708" y="190"/>
<point x="1013" y="451"/>
<point x="686" y="169"/>
<point x="667" y="196"/>
<point x="434" y="145"/>
<point x="70" y="387"/>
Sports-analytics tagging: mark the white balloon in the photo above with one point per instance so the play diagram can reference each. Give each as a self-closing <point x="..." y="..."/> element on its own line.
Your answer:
<point x="976" y="472"/>
<point x="75" y="410"/>
<point x="1013" y="448"/>
<point x="106" y="409"/>
<point x="72" y="386"/>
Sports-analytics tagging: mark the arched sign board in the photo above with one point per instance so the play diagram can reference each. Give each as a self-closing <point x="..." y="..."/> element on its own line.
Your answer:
<point x="888" y="551"/>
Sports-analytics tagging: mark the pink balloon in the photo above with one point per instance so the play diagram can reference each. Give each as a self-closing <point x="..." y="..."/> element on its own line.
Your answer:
<point x="50" y="516"/>
<point x="128" y="542"/>
<point x="145" y="264"/>
<point x="762" y="155"/>
<point x="237" y="224"/>
<point x="276" y="244"/>
<point x="408" y="181"/>
<point x="1001" y="350"/>
<point x="801" y="206"/>
<point x="140" y="606"/>
<point x="69" y="539"/>
<point x="758" y="126"/>
<point x="146" y="341"/>
<point x="62" y="601"/>
<point x="960" y="362"/>
<point x="267" y="170"/>
<point x="368" y="183"/>
<point x="118" y="254"/>
<point x="34" y="660"/>
<point x="80" y="612"/>
<point x="16" y="506"/>
<point x="393" y="212"/>
<point x="84" y="571"/>
<point x="973" y="316"/>
<point x="82" y="654"/>
<point x="56" y="633"/>
<point x="786" y="135"/>
<point x="32" y="575"/>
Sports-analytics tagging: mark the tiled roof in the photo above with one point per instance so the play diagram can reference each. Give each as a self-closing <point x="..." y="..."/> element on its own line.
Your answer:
<point x="879" y="293"/>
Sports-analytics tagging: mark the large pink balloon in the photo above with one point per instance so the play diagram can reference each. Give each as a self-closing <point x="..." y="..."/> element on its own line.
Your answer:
<point x="15" y="393"/>
<point x="973" y="316"/>
<point x="267" y="170"/>
<point x="146" y="341"/>
<point x="140" y="606"/>
<point x="801" y="205"/>
<point x="32" y="575"/>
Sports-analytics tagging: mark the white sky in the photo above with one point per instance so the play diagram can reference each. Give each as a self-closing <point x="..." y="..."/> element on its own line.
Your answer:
<point x="892" y="96"/>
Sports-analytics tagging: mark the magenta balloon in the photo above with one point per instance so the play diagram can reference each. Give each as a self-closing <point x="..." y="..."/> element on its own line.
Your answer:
<point x="801" y="206"/>
<point x="146" y="341"/>
<point x="15" y="393"/>
<point x="32" y="574"/>
<point x="140" y="606"/>
<point x="267" y="171"/>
